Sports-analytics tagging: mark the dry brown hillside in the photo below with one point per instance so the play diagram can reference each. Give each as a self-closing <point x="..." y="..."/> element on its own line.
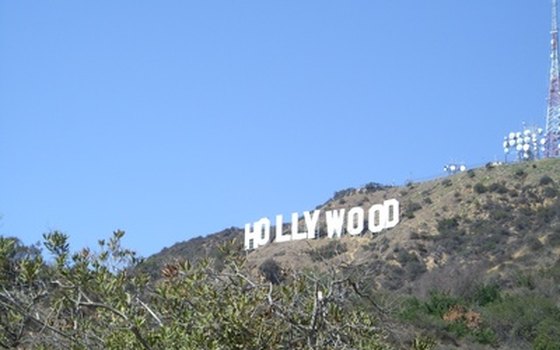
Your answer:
<point x="482" y="224"/>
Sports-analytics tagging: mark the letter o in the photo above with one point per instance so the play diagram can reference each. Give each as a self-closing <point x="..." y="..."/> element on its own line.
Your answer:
<point x="377" y="210"/>
<point x="355" y="221"/>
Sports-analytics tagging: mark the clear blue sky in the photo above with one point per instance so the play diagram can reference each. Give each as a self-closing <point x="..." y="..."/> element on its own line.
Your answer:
<point x="173" y="119"/>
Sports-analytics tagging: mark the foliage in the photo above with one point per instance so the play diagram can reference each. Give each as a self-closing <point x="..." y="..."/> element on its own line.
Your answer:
<point x="196" y="249"/>
<point x="424" y="343"/>
<point x="545" y="180"/>
<point x="374" y="187"/>
<point x="520" y="173"/>
<point x="451" y="314"/>
<point x="439" y="303"/>
<point x="328" y="251"/>
<point x="547" y="335"/>
<point x="96" y="300"/>
<point x="486" y="294"/>
<point x="550" y="192"/>
<point x="498" y="188"/>
<point x="526" y="317"/>
<point x="410" y="208"/>
<point x="343" y="193"/>
<point x="411" y="263"/>
<point x="480" y="188"/>
<point x="427" y="200"/>
<point x="271" y="271"/>
<point x="448" y="226"/>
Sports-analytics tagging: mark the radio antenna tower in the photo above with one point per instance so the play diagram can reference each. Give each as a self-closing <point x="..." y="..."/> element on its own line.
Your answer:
<point x="552" y="134"/>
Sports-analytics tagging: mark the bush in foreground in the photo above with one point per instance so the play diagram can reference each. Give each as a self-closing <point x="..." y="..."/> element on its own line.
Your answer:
<point x="97" y="300"/>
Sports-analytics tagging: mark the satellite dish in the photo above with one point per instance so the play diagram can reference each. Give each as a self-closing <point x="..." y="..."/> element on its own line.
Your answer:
<point x="540" y="130"/>
<point x="527" y="139"/>
<point x="506" y="150"/>
<point x="519" y="147"/>
<point x="526" y="147"/>
<point x="453" y="168"/>
<point x="518" y="135"/>
<point x="506" y="144"/>
<point x="445" y="168"/>
<point x="511" y="135"/>
<point x="543" y="149"/>
<point x="527" y="132"/>
<point x="463" y="168"/>
<point x="512" y="143"/>
<point x="543" y="141"/>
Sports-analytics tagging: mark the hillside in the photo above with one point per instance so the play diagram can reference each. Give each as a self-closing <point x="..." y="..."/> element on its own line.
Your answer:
<point x="496" y="228"/>
<point x="492" y="219"/>
<point x="473" y="264"/>
<point x="486" y="223"/>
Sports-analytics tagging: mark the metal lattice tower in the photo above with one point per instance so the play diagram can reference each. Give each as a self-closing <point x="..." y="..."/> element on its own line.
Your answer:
<point x="552" y="133"/>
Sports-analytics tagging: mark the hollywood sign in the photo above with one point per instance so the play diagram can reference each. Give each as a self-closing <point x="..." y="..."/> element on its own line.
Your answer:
<point x="353" y="221"/>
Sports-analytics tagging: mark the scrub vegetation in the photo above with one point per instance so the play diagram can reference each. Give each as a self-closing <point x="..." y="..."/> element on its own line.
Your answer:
<point x="473" y="264"/>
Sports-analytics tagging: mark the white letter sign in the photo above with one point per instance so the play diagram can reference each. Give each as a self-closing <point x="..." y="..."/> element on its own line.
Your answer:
<point x="379" y="217"/>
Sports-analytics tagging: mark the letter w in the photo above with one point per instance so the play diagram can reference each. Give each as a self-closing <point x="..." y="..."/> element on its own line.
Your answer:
<point x="335" y="221"/>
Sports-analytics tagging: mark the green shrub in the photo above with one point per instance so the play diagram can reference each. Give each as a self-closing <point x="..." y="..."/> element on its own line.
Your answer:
<point x="498" y="188"/>
<point x="328" y="251"/>
<point x="447" y="226"/>
<point x="521" y="316"/>
<point x="479" y="188"/>
<point x="439" y="303"/>
<point x="96" y="300"/>
<point x="411" y="263"/>
<point x="520" y="173"/>
<point x="486" y="294"/>
<point x="410" y="208"/>
<point x="500" y="214"/>
<point x="424" y="343"/>
<point x="343" y="193"/>
<point x="547" y="335"/>
<point x="554" y="239"/>
<point x="550" y="192"/>
<point x="271" y="271"/>
<point x="545" y="180"/>
<point x="524" y="280"/>
<point x="415" y="268"/>
<point x="485" y="336"/>
<point x="459" y="328"/>
<point x="374" y="187"/>
<point x="411" y="309"/>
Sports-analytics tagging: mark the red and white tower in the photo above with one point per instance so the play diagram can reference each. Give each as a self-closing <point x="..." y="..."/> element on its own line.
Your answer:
<point x="552" y="133"/>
